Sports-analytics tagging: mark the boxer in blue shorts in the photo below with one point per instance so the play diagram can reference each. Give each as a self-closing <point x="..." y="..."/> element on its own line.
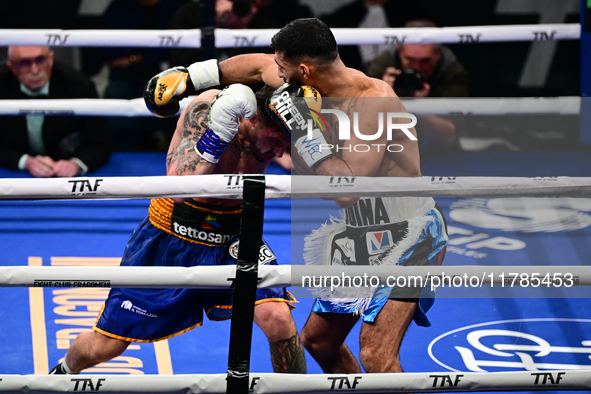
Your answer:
<point x="189" y="234"/>
<point x="221" y="132"/>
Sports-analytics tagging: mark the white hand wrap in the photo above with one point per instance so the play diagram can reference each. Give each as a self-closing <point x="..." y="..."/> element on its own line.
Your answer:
<point x="204" y="74"/>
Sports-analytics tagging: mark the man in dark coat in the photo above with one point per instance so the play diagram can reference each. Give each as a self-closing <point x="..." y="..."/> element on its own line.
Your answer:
<point x="48" y="146"/>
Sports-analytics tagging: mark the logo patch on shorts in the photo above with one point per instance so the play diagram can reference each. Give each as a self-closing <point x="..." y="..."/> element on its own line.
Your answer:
<point x="199" y="235"/>
<point x="337" y="258"/>
<point x="265" y="253"/>
<point x="234" y="249"/>
<point x="346" y="245"/>
<point x="378" y="241"/>
<point x="128" y="305"/>
<point x="210" y="223"/>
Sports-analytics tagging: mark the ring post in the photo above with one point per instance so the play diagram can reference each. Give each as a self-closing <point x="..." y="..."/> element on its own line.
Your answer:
<point x="585" y="42"/>
<point x="207" y="22"/>
<point x="245" y="285"/>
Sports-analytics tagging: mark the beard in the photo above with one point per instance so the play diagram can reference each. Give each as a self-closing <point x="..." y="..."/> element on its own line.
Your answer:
<point x="295" y="79"/>
<point x="257" y="154"/>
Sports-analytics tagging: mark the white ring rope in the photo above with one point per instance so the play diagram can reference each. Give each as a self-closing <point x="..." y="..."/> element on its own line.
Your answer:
<point x="309" y="276"/>
<point x="232" y="38"/>
<point x="433" y="106"/>
<point x="493" y="106"/>
<point x="215" y="277"/>
<point x="286" y="186"/>
<point x="78" y="107"/>
<point x="262" y="37"/>
<point x="262" y="383"/>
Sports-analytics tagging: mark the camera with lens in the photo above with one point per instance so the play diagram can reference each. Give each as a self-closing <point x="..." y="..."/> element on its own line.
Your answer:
<point x="408" y="82"/>
<point x="242" y="7"/>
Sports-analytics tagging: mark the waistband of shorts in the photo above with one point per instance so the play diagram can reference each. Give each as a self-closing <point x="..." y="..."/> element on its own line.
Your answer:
<point x="196" y="222"/>
<point x="386" y="210"/>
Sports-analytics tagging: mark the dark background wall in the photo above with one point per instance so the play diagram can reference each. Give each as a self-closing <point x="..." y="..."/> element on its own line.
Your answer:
<point x="495" y="69"/>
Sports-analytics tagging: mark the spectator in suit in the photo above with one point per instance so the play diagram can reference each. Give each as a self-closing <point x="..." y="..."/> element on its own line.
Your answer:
<point x="48" y="146"/>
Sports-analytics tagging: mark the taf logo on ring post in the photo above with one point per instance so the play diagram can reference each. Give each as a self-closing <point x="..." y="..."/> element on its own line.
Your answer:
<point x="516" y="345"/>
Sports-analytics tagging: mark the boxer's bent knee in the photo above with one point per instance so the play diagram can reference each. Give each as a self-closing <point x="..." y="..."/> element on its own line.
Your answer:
<point x="373" y="360"/>
<point x="275" y="319"/>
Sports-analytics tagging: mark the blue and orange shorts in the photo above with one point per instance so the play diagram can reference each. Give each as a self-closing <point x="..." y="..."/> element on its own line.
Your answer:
<point x="178" y="235"/>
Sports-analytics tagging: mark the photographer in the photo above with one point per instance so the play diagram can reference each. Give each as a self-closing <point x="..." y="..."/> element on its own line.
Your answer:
<point x="424" y="70"/>
<point x="442" y="73"/>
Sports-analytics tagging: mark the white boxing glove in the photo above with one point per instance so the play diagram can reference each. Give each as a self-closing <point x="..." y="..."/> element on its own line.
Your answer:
<point x="223" y="120"/>
<point x="228" y="106"/>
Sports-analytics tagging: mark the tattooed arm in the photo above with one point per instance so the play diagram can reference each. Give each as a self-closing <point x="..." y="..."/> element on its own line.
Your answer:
<point x="182" y="159"/>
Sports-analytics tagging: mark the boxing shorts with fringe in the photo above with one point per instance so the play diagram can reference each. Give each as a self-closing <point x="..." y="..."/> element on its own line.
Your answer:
<point x="379" y="231"/>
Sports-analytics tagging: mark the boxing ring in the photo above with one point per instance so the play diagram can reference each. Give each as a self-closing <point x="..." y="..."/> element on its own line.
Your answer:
<point x="556" y="326"/>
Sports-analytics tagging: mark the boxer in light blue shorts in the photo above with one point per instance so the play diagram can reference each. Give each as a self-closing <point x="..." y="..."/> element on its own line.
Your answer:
<point x="370" y="235"/>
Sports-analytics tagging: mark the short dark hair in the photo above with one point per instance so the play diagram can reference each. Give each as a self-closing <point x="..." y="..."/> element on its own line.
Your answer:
<point x="420" y="23"/>
<point x="262" y="95"/>
<point x="306" y="38"/>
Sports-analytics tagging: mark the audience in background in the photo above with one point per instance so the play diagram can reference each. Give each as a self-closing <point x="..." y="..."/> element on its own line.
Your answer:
<point x="280" y="12"/>
<point x="371" y="13"/>
<point x="151" y="134"/>
<point x="239" y="14"/>
<point x="130" y="68"/>
<point x="443" y="74"/>
<point x="424" y="70"/>
<point x="48" y="146"/>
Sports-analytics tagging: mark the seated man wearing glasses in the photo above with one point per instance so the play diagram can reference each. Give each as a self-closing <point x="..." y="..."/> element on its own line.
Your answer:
<point x="48" y="146"/>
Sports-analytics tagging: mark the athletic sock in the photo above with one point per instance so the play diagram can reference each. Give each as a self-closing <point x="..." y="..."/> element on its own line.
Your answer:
<point x="62" y="369"/>
<point x="67" y="369"/>
<point x="57" y="370"/>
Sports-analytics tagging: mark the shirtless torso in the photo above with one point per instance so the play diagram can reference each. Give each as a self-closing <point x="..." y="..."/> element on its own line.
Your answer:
<point x="351" y="91"/>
